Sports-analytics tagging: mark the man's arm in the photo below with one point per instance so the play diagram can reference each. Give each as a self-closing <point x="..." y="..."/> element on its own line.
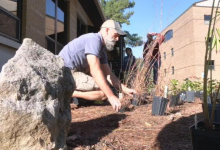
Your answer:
<point x="114" y="81"/>
<point x="97" y="74"/>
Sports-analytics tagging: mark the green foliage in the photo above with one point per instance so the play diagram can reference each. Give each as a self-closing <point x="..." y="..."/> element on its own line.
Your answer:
<point x="114" y="9"/>
<point x="198" y="85"/>
<point x="213" y="41"/>
<point x="133" y="40"/>
<point x="174" y="86"/>
<point x="187" y="84"/>
<point x="212" y="86"/>
<point x="194" y="85"/>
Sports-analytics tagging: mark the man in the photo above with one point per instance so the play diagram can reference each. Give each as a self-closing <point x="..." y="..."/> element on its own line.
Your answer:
<point x="129" y="63"/>
<point x="155" y="58"/>
<point x="129" y="60"/>
<point x="86" y="55"/>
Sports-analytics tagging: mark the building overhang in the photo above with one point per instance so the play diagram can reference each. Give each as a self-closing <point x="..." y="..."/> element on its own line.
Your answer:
<point x="94" y="11"/>
<point x="206" y="3"/>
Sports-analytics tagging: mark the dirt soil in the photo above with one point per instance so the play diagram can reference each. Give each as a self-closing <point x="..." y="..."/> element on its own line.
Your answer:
<point x="100" y="128"/>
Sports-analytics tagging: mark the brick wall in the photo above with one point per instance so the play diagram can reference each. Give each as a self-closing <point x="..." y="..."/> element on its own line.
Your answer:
<point x="188" y="43"/>
<point x="199" y="35"/>
<point x="72" y="25"/>
<point x="33" y="20"/>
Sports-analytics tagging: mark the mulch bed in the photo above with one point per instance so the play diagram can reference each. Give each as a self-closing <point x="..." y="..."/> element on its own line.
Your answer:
<point x="100" y="128"/>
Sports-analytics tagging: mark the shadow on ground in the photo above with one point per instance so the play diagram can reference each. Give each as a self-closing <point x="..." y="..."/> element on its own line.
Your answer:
<point x="90" y="132"/>
<point x="168" y="139"/>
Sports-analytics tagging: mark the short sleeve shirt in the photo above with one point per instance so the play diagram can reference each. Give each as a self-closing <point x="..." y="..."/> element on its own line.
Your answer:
<point x="74" y="53"/>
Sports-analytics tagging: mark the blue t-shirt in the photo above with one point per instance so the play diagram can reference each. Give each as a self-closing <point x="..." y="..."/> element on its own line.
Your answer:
<point x="74" y="53"/>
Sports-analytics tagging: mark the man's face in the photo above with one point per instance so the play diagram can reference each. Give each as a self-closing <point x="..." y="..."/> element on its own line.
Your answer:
<point x="128" y="52"/>
<point x="150" y="37"/>
<point x="111" y="38"/>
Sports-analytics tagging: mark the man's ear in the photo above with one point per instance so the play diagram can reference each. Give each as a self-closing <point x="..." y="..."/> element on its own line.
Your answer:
<point x="107" y="30"/>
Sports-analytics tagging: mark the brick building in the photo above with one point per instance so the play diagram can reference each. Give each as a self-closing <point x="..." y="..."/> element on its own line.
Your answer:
<point x="183" y="51"/>
<point x="50" y="23"/>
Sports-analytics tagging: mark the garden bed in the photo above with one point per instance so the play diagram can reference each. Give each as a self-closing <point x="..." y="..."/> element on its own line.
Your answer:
<point x="100" y="128"/>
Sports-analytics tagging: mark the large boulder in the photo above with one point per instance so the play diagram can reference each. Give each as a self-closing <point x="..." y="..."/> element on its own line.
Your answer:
<point x="35" y="93"/>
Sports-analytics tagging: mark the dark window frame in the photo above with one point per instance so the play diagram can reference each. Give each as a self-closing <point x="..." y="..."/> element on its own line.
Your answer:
<point x="165" y="72"/>
<point x="173" y="70"/>
<point x="18" y="20"/>
<point x="211" y="66"/>
<point x="81" y="27"/>
<point x="207" y="19"/>
<point x="165" y="56"/>
<point x="172" y="52"/>
<point x="55" y="41"/>
<point x="168" y="35"/>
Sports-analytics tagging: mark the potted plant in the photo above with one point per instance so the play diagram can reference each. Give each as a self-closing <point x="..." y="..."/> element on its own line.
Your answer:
<point x="186" y="93"/>
<point x="190" y="90"/>
<point x="159" y="105"/>
<point x="174" y="98"/>
<point x="205" y="135"/>
<point x="182" y="92"/>
<point x="213" y="98"/>
<point x="198" y="87"/>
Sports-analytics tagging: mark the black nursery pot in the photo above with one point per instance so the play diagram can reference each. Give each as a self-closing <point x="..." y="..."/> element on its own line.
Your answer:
<point x="197" y="94"/>
<point x="217" y="112"/>
<point x="136" y="99"/>
<point x="190" y="96"/>
<point x="174" y="100"/>
<point x="203" y="139"/>
<point x="159" y="105"/>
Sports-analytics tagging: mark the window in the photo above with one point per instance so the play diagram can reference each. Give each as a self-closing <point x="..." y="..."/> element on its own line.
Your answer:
<point x="207" y="19"/>
<point x="165" y="72"/>
<point x="172" y="69"/>
<point x="164" y="55"/>
<point x="168" y="35"/>
<point x="81" y="28"/>
<point x="56" y="25"/>
<point x="211" y="64"/>
<point x="10" y="14"/>
<point x="172" y="52"/>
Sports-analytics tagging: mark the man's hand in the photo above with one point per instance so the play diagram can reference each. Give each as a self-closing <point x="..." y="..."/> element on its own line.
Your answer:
<point x="128" y="91"/>
<point x="116" y="104"/>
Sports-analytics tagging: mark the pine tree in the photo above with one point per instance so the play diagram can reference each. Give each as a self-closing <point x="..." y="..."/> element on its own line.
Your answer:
<point x="133" y="40"/>
<point x="114" y="9"/>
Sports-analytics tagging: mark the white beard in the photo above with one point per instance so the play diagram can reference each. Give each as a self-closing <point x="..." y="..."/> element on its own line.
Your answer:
<point x="109" y="44"/>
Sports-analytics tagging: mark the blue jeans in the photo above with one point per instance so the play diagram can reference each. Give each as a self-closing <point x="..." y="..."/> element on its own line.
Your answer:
<point x="155" y="65"/>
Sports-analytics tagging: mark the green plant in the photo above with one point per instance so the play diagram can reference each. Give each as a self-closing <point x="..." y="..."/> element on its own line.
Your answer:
<point x="190" y="84"/>
<point x="211" y="86"/>
<point x="198" y="85"/>
<point x="174" y="86"/>
<point x="183" y="87"/>
<point x="187" y="84"/>
<point x="212" y="41"/>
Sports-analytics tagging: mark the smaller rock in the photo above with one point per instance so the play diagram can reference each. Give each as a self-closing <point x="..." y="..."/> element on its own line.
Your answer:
<point x="171" y="117"/>
<point x="147" y="124"/>
<point x="178" y="114"/>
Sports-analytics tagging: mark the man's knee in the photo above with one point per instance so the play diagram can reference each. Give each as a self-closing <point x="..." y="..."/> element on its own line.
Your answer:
<point x="84" y="82"/>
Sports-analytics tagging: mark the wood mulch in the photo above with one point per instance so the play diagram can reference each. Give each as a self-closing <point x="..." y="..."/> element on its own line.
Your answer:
<point x="100" y="128"/>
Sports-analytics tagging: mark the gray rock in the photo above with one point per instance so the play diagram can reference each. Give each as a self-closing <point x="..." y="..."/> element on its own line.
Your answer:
<point x="35" y="93"/>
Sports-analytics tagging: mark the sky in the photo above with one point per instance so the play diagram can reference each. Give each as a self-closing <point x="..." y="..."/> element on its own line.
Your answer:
<point x="50" y="10"/>
<point x="154" y="16"/>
